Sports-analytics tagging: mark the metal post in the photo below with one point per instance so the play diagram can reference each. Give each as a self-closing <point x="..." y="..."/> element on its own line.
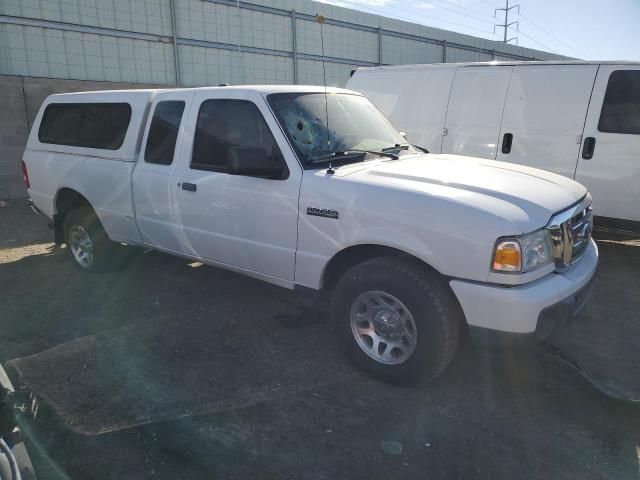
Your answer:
<point x="506" y="21"/>
<point x="444" y="51"/>
<point x="379" y="45"/>
<point x="174" y="34"/>
<point x="294" y="47"/>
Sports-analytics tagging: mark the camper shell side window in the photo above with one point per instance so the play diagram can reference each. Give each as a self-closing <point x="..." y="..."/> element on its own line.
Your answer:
<point x="89" y="125"/>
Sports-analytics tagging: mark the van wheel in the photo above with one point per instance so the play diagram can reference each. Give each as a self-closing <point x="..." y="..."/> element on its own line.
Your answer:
<point x="397" y="319"/>
<point x="87" y="242"/>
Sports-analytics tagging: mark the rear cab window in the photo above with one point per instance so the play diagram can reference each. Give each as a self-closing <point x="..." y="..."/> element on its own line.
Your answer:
<point x="89" y="125"/>
<point x="621" y="107"/>
<point x="163" y="132"/>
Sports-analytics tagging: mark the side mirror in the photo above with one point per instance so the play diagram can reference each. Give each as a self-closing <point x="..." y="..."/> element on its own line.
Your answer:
<point x="254" y="162"/>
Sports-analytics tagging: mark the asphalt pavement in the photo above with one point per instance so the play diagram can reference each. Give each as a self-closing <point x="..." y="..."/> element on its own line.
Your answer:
<point x="172" y="369"/>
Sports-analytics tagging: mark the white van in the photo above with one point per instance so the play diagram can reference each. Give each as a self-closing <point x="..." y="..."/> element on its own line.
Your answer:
<point x="578" y="119"/>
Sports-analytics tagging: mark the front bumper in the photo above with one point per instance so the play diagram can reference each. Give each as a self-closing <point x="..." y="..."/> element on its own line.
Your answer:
<point x="533" y="307"/>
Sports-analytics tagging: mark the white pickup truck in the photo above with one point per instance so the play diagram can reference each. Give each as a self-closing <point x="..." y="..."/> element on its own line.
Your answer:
<point x="314" y="190"/>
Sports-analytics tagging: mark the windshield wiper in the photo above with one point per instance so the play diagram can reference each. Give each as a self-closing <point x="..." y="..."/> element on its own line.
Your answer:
<point x="381" y="153"/>
<point x="339" y="155"/>
<point x="422" y="149"/>
<point x="397" y="146"/>
<point x="405" y="146"/>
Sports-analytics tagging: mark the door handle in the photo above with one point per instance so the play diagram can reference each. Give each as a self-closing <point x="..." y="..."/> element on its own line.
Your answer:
<point x="588" y="148"/>
<point x="190" y="187"/>
<point x="507" y="140"/>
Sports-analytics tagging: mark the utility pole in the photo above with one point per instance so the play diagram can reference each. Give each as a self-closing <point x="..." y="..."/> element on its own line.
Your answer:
<point x="506" y="23"/>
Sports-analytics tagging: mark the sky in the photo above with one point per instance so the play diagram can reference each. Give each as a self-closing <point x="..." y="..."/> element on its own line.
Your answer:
<point x="587" y="29"/>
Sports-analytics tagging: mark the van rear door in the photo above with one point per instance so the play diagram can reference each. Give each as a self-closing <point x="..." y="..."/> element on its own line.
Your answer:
<point x="544" y="116"/>
<point x="414" y="99"/>
<point x="609" y="163"/>
<point x="472" y="126"/>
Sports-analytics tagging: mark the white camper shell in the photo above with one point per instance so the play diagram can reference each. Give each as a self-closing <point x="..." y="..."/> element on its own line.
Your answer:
<point x="578" y="119"/>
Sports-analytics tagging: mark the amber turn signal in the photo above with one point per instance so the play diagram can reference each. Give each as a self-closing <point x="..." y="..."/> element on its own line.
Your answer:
<point x="507" y="257"/>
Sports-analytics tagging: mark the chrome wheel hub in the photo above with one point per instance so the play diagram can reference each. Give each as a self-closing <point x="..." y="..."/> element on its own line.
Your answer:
<point x="387" y="323"/>
<point x="383" y="327"/>
<point x="81" y="246"/>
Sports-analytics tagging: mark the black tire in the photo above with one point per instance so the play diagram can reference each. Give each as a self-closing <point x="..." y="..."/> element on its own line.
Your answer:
<point x="104" y="250"/>
<point x="435" y="311"/>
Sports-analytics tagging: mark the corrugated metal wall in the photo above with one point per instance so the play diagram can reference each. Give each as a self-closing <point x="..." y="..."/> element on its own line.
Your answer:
<point x="134" y="42"/>
<point x="218" y="41"/>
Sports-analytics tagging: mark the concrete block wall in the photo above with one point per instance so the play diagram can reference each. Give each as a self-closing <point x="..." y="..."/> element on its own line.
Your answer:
<point x="20" y="98"/>
<point x="13" y="136"/>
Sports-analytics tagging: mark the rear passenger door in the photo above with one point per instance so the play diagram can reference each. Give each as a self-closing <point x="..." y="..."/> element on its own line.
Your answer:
<point x="237" y="221"/>
<point x="544" y="116"/>
<point x="153" y="186"/>
<point x="475" y="111"/>
<point x="609" y="163"/>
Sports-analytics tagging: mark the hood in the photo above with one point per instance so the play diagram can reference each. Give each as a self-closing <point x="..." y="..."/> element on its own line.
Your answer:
<point x="526" y="196"/>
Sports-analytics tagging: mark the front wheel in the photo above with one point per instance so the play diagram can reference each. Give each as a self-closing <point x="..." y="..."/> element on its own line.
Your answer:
<point x="397" y="319"/>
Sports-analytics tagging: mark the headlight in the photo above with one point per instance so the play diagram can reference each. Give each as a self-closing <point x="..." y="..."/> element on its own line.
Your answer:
<point x="524" y="253"/>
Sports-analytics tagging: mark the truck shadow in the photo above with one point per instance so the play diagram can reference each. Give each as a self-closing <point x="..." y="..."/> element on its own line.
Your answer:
<point x="167" y="340"/>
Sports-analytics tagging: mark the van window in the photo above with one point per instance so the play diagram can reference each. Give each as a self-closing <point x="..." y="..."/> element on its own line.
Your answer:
<point x="621" y="108"/>
<point x="163" y="132"/>
<point x="90" y="125"/>
<point x="224" y="124"/>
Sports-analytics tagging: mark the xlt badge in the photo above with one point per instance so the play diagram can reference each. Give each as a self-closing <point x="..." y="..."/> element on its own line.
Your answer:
<point x="322" y="212"/>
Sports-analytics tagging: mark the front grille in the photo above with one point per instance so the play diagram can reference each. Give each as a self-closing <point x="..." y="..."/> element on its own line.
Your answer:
<point x="581" y="228"/>
<point x="571" y="232"/>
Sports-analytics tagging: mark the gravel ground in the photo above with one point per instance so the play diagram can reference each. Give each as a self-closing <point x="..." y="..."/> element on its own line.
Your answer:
<point x="170" y="369"/>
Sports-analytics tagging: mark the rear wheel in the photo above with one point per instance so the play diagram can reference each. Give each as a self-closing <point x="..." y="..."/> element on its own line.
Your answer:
<point x="397" y="319"/>
<point x="87" y="242"/>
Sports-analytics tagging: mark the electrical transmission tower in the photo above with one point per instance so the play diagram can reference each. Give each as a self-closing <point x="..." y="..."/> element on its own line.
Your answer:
<point x="506" y="23"/>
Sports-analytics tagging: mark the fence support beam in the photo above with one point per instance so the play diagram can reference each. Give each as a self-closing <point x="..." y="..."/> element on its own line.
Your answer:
<point x="174" y="34"/>
<point x="379" y="45"/>
<point x="294" y="47"/>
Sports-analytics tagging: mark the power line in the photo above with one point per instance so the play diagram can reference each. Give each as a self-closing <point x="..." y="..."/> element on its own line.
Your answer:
<point x="536" y="41"/>
<point x="413" y="19"/>
<point x="477" y="12"/>
<point x="461" y="13"/>
<point x="489" y="3"/>
<point x="535" y="25"/>
<point x="506" y="23"/>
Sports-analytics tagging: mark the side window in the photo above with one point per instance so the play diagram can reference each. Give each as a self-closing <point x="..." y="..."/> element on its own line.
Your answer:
<point x="226" y="126"/>
<point x="89" y="125"/>
<point x="163" y="132"/>
<point x="621" y="107"/>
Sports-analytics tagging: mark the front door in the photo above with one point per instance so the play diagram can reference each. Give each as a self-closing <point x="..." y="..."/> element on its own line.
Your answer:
<point x="241" y="222"/>
<point x="609" y="162"/>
